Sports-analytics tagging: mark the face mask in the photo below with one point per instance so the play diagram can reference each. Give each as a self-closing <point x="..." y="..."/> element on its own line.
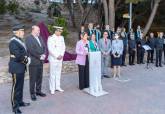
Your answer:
<point x="116" y="37"/>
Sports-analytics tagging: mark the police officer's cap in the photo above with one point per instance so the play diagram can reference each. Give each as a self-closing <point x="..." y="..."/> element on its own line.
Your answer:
<point x="17" y="27"/>
<point x="57" y="28"/>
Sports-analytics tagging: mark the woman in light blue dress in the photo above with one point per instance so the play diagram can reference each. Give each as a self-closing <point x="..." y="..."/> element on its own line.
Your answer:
<point x="117" y="51"/>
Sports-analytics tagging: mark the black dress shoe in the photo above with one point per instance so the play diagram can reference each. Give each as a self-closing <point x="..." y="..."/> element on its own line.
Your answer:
<point x="106" y="76"/>
<point x="17" y="111"/>
<point x="41" y="94"/>
<point x="33" y="97"/>
<point x="157" y="66"/>
<point x="123" y="65"/>
<point x="23" y="104"/>
<point x="160" y="65"/>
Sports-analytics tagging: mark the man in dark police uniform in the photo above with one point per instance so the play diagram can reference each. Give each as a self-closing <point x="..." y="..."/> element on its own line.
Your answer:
<point x="17" y="67"/>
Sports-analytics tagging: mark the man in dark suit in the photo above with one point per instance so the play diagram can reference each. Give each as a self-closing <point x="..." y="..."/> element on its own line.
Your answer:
<point x="159" y="48"/>
<point x="90" y="30"/>
<point x="17" y="66"/>
<point x="82" y="30"/>
<point x="131" y="47"/>
<point x="140" y="50"/>
<point x="151" y="43"/>
<point x="125" y="43"/>
<point x="97" y="33"/>
<point x="37" y="53"/>
<point x="107" y="29"/>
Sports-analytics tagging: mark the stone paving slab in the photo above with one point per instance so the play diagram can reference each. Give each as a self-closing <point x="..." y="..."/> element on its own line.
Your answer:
<point x="143" y="93"/>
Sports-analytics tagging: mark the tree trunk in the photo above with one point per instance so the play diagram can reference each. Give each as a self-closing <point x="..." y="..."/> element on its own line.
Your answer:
<point x="71" y="11"/>
<point x="152" y="15"/>
<point x="105" y="11"/>
<point x="111" y="13"/>
<point x="81" y="7"/>
<point x="100" y="12"/>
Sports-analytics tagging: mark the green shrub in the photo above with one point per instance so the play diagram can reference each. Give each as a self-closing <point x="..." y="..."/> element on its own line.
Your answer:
<point x="2" y="6"/>
<point x="13" y="7"/>
<point x="56" y="10"/>
<point x="59" y="21"/>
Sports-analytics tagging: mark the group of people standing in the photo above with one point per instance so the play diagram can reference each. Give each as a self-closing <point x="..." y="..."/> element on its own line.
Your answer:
<point x="31" y="55"/>
<point x="114" y="46"/>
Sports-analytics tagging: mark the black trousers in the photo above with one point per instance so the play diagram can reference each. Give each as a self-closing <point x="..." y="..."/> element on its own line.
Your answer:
<point x="140" y="55"/>
<point x="164" y="51"/>
<point x="17" y="90"/>
<point x="150" y="56"/>
<point x="131" y="56"/>
<point x="158" y="57"/>
<point x="35" y="74"/>
<point x="124" y="55"/>
<point x="84" y="75"/>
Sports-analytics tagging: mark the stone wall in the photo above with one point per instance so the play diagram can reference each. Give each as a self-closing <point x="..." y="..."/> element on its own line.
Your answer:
<point x="5" y="77"/>
<point x="29" y="4"/>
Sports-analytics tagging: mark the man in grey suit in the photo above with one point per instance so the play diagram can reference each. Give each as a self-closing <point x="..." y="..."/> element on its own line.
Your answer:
<point x="37" y="51"/>
<point x="105" y="48"/>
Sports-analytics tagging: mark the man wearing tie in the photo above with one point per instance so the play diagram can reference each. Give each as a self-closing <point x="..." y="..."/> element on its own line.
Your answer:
<point x="105" y="48"/>
<point x="37" y="51"/>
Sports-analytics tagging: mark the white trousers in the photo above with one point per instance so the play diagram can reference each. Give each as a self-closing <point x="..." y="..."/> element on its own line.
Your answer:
<point x="55" y="75"/>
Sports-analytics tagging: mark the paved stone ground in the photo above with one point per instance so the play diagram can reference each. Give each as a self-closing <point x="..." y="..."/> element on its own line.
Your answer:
<point x="142" y="94"/>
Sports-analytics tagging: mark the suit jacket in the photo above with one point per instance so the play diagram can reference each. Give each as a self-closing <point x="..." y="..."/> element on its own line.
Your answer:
<point x="103" y="47"/>
<point x="90" y="32"/>
<point x="98" y="35"/>
<point x="19" y="54"/>
<point x="159" y="43"/>
<point x="124" y="38"/>
<point x="35" y="50"/>
<point x="81" y="52"/>
<point x="131" y="45"/>
<point x="151" y="42"/>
